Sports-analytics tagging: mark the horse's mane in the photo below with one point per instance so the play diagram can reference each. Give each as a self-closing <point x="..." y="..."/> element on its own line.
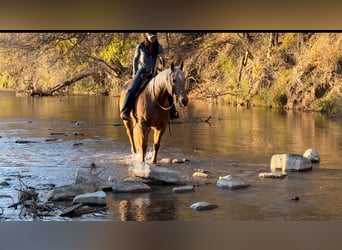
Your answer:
<point x="159" y="79"/>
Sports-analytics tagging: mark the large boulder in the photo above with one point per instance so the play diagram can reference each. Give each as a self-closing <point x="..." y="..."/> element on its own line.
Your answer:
<point x="158" y="174"/>
<point x="290" y="162"/>
<point x="231" y="182"/>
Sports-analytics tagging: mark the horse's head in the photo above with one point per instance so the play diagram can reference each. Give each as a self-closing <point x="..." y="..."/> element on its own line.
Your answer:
<point x="177" y="84"/>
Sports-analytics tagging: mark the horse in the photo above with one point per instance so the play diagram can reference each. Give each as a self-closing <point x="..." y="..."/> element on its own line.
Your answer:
<point x="152" y="109"/>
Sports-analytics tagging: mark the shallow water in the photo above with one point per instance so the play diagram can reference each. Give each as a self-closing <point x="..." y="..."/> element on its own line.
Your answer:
<point x="236" y="141"/>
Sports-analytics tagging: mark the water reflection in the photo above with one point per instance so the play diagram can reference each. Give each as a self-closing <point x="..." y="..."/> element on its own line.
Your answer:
<point x="237" y="141"/>
<point x="159" y="205"/>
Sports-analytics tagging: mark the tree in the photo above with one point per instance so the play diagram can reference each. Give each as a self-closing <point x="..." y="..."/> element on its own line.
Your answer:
<point x="42" y="63"/>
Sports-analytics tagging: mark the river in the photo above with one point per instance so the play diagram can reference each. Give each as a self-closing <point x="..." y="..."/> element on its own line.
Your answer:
<point x="236" y="141"/>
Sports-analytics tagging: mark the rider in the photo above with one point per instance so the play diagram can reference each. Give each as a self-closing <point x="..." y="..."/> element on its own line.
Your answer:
<point x="144" y="63"/>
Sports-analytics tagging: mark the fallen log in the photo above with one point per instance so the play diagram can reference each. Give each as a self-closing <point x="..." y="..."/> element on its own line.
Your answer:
<point x="38" y="92"/>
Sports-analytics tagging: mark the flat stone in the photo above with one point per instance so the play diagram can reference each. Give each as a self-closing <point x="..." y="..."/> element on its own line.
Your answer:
<point x="160" y="174"/>
<point x="70" y="191"/>
<point x="201" y="175"/>
<point x="166" y="160"/>
<point x="95" y="198"/>
<point x="312" y="155"/>
<point x="231" y="182"/>
<point x="290" y="162"/>
<point x="180" y="160"/>
<point x="183" y="189"/>
<point x="276" y="175"/>
<point x="130" y="186"/>
<point x="203" y="205"/>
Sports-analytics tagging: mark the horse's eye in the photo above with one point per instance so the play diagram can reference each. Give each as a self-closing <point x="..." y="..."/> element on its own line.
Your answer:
<point x="174" y="80"/>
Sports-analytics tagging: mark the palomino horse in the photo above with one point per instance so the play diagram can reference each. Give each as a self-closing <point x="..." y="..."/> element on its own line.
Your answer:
<point x="152" y="109"/>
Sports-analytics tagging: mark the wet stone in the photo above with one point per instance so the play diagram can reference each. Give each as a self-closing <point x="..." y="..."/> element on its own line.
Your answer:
<point x="160" y="174"/>
<point x="275" y="175"/>
<point x="179" y="160"/>
<point x="312" y="155"/>
<point x="59" y="134"/>
<point x="22" y="141"/>
<point x="166" y="160"/>
<point x="203" y="205"/>
<point x="290" y="162"/>
<point x="95" y="198"/>
<point x="231" y="182"/>
<point x="201" y="175"/>
<point x="4" y="183"/>
<point x="183" y="189"/>
<point x="70" y="191"/>
<point x="130" y="186"/>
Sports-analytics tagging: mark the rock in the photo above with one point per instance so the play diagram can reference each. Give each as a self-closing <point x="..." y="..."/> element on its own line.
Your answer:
<point x="159" y="174"/>
<point x="22" y="141"/>
<point x="59" y="133"/>
<point x="70" y="191"/>
<point x="130" y="186"/>
<point x="201" y="175"/>
<point x="312" y="155"/>
<point x="203" y="205"/>
<point x="183" y="189"/>
<point x="166" y="160"/>
<point x="4" y="183"/>
<point x="276" y="175"/>
<point x="51" y="139"/>
<point x="179" y="160"/>
<point x="78" y="134"/>
<point x="95" y="173"/>
<point x="295" y="198"/>
<point x="231" y="182"/>
<point x="95" y="198"/>
<point x="290" y="162"/>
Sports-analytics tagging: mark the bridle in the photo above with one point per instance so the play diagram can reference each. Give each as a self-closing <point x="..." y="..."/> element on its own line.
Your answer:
<point x="168" y="81"/>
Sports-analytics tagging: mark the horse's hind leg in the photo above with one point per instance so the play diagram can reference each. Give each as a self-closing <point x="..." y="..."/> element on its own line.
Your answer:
<point x="156" y="143"/>
<point x="129" y="130"/>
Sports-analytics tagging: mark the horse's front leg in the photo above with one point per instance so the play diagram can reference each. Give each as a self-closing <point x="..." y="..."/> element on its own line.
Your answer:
<point x="129" y="131"/>
<point x="140" y="139"/>
<point x="158" y="133"/>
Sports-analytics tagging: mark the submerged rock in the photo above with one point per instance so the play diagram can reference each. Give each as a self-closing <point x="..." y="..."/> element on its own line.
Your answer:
<point x="203" y="205"/>
<point x="231" y="182"/>
<point x="160" y="174"/>
<point x="183" y="189"/>
<point x="290" y="162"/>
<point x="276" y="175"/>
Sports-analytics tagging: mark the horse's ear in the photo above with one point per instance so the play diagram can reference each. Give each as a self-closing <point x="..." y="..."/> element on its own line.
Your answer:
<point x="172" y="66"/>
<point x="181" y="66"/>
